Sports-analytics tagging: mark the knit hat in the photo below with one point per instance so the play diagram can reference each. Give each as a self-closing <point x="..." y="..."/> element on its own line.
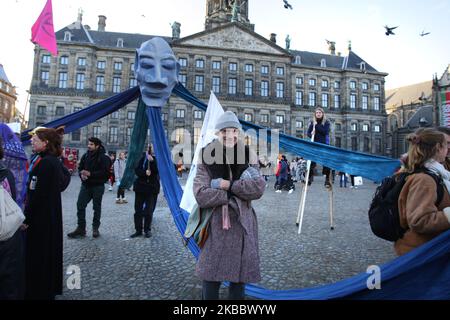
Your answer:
<point x="228" y="120"/>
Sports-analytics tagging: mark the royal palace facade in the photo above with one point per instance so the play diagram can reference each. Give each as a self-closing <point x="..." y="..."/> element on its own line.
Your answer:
<point x="262" y="82"/>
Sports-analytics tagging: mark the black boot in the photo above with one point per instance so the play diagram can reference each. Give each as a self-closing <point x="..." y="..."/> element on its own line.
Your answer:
<point x="77" y="233"/>
<point x="95" y="233"/>
<point x="136" y="234"/>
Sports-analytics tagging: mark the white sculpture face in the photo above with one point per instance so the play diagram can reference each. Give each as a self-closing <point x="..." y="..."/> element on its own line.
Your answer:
<point x="156" y="70"/>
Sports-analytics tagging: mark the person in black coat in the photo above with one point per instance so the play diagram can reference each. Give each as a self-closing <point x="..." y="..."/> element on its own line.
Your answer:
<point x="43" y="222"/>
<point x="146" y="188"/>
<point x="320" y="129"/>
<point x="11" y="250"/>
<point x="94" y="171"/>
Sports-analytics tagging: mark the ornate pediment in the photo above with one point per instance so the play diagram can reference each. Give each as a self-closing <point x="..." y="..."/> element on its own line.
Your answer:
<point x="232" y="37"/>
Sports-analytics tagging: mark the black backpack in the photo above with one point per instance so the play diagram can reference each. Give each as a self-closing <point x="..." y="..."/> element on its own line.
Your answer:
<point x="384" y="217"/>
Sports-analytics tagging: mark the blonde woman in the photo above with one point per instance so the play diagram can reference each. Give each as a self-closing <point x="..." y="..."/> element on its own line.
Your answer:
<point x="320" y="129"/>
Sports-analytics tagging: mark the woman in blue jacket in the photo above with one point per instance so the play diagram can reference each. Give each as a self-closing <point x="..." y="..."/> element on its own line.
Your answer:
<point x="320" y="129"/>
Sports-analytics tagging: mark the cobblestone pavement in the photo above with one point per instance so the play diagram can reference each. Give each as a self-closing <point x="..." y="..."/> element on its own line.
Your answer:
<point x="116" y="267"/>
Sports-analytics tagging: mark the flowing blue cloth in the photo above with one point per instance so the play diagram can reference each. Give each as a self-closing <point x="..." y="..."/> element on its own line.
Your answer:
<point x="372" y="167"/>
<point x="79" y="119"/>
<point x="423" y="273"/>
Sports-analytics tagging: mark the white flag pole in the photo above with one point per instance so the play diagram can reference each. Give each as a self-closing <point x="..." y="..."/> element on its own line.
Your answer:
<point x="212" y="114"/>
<point x="301" y="208"/>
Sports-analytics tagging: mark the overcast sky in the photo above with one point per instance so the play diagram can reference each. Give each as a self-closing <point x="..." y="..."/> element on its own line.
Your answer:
<point x="407" y="57"/>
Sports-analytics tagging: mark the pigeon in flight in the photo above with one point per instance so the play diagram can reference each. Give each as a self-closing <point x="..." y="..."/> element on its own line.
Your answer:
<point x="287" y="5"/>
<point x="389" y="30"/>
<point x="424" y="33"/>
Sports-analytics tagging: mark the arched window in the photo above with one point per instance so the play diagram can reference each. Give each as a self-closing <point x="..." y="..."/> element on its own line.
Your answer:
<point x="120" y="43"/>
<point x="362" y="66"/>
<point x="67" y="36"/>
<point x="298" y="60"/>
<point x="323" y="63"/>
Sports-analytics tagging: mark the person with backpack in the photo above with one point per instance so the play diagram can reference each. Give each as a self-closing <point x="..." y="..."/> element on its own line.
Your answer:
<point x="421" y="213"/>
<point x="94" y="172"/>
<point x="11" y="250"/>
<point x="43" y="222"/>
<point x="320" y="129"/>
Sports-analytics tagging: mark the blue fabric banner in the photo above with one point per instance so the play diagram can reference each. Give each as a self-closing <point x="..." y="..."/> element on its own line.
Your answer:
<point x="423" y="273"/>
<point x="79" y="119"/>
<point x="372" y="167"/>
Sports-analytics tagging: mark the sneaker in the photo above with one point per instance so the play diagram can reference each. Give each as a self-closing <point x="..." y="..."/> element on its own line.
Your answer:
<point x="77" y="233"/>
<point x="110" y="188"/>
<point x="148" y="234"/>
<point x="327" y="184"/>
<point x="290" y="191"/>
<point x="95" y="233"/>
<point x="278" y="191"/>
<point x="136" y="234"/>
<point x="124" y="200"/>
<point x="118" y="200"/>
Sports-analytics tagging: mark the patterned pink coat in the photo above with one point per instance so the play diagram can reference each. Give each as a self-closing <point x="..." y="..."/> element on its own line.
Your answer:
<point x="229" y="255"/>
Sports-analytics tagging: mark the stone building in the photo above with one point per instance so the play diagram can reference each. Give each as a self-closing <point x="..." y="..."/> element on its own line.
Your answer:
<point x="425" y="104"/>
<point x="8" y="98"/>
<point x="259" y="79"/>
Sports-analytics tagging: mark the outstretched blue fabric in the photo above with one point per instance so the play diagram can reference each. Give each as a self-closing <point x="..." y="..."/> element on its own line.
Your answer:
<point x="372" y="167"/>
<point x="423" y="273"/>
<point x="79" y="119"/>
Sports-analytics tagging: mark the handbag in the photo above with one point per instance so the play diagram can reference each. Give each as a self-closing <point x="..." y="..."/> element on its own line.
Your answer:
<point x="11" y="216"/>
<point x="197" y="226"/>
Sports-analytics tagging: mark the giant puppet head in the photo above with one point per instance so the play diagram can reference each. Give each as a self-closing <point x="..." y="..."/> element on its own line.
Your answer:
<point x="156" y="70"/>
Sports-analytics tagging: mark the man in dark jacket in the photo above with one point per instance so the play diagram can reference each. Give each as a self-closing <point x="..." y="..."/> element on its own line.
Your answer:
<point x="94" y="172"/>
<point x="146" y="188"/>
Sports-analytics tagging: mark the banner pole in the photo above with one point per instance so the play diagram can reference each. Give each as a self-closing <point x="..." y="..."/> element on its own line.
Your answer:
<point x="303" y="200"/>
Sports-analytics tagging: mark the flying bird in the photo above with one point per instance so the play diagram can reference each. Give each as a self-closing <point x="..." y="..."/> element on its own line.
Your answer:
<point x="424" y="33"/>
<point x="389" y="30"/>
<point x="287" y="5"/>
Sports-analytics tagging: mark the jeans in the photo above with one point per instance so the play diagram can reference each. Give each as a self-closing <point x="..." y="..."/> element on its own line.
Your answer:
<point x="88" y="193"/>
<point x="210" y="290"/>
<point x="144" y="206"/>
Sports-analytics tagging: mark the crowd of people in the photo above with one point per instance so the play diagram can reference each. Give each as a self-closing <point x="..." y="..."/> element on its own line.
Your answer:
<point x="31" y="259"/>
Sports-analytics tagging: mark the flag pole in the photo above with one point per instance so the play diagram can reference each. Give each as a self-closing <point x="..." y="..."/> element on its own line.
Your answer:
<point x="301" y="208"/>
<point x="331" y="196"/>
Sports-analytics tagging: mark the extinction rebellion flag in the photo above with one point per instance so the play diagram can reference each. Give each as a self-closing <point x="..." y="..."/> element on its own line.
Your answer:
<point x="42" y="32"/>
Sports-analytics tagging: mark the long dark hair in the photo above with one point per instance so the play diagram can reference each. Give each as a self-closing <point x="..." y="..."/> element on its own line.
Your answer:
<point x="54" y="138"/>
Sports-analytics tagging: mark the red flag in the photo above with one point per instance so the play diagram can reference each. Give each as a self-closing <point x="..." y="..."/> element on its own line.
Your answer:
<point x="42" y="32"/>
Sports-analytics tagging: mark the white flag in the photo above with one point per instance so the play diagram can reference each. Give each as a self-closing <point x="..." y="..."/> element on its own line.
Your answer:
<point x="207" y="135"/>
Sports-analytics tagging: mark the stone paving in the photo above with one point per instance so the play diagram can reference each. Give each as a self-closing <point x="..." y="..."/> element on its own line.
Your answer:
<point x="117" y="267"/>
